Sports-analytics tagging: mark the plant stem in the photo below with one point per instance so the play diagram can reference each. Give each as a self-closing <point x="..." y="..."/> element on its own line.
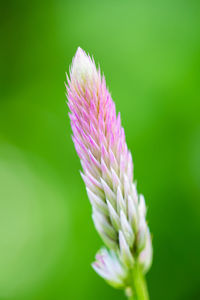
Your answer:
<point x="139" y="287"/>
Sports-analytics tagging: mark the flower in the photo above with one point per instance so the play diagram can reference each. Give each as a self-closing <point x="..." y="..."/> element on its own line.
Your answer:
<point x="108" y="266"/>
<point x="118" y="212"/>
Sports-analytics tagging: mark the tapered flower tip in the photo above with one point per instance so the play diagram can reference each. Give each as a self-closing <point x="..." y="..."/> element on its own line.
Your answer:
<point x="83" y="71"/>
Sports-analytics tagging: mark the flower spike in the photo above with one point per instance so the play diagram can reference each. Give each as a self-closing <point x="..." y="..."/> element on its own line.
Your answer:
<point x="119" y="213"/>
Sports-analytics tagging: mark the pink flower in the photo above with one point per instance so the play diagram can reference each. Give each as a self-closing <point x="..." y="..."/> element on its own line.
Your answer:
<point x="118" y="212"/>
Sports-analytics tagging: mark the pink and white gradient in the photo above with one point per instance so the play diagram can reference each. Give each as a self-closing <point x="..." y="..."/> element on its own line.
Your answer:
<point x="118" y="211"/>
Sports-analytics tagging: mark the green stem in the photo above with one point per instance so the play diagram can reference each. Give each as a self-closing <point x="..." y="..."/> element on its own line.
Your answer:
<point x="139" y="287"/>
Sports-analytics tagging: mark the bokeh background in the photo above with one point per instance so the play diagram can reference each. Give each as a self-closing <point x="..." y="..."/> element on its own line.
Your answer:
<point x="150" y="54"/>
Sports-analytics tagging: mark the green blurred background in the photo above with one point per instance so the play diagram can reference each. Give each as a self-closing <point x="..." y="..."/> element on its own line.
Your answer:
<point x="150" y="54"/>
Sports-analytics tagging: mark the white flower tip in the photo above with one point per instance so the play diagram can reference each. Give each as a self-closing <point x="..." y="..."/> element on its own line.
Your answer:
<point x="146" y="255"/>
<point x="83" y="69"/>
<point x="79" y="51"/>
<point x="142" y="205"/>
<point x="109" y="266"/>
